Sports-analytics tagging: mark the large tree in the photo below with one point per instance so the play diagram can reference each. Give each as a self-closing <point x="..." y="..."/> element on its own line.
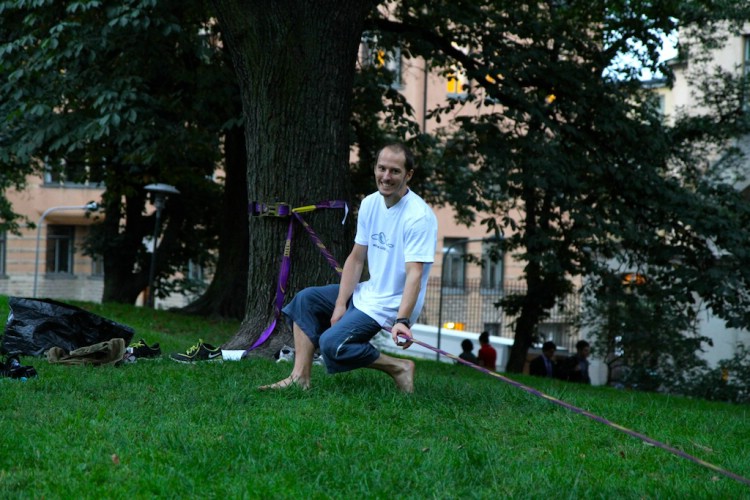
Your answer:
<point x="175" y="78"/>
<point x="295" y="63"/>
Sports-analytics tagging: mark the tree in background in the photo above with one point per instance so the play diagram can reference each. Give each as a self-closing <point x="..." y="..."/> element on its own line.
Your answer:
<point x="124" y="95"/>
<point x="172" y="88"/>
<point x="555" y="140"/>
<point x="295" y="63"/>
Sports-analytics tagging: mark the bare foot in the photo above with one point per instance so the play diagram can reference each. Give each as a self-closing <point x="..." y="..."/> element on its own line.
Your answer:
<point x="404" y="377"/>
<point x="286" y="383"/>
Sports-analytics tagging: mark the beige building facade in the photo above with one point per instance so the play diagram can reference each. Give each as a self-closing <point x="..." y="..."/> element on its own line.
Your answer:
<point x="48" y="261"/>
<point x="733" y="57"/>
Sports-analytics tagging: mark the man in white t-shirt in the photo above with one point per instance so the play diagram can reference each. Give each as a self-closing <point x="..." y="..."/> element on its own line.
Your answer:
<point x="397" y="237"/>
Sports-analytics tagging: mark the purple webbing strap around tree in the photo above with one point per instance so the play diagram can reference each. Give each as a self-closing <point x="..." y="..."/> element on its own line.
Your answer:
<point x="287" y="260"/>
<point x="585" y="413"/>
<point x="318" y="243"/>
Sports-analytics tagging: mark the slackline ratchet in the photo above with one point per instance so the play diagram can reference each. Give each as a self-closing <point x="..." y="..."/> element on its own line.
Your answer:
<point x="281" y="209"/>
<point x="585" y="413"/>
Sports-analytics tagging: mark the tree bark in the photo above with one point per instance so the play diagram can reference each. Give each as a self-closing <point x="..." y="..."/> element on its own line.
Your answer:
<point x="542" y="288"/>
<point x="122" y="283"/>
<point x="295" y="63"/>
<point x="226" y="296"/>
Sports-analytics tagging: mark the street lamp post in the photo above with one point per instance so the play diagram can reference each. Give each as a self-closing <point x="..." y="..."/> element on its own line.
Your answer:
<point x="442" y="280"/>
<point x="89" y="207"/>
<point x="159" y="193"/>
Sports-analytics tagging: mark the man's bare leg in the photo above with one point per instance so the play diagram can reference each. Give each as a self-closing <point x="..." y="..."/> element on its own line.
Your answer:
<point x="400" y="370"/>
<point x="303" y="357"/>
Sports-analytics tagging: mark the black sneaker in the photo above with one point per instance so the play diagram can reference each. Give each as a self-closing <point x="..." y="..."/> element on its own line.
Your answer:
<point x="14" y="369"/>
<point x="199" y="352"/>
<point x="141" y="350"/>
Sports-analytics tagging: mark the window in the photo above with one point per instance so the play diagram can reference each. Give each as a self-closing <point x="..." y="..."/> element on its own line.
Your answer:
<point x="556" y="332"/>
<point x="74" y="173"/>
<point x="3" y="247"/>
<point x="494" y="329"/>
<point x="454" y="262"/>
<point x="492" y="266"/>
<point x="195" y="271"/>
<point x="457" y="84"/>
<point x="657" y="103"/>
<point x="97" y="266"/>
<point x="60" y="241"/>
<point x="373" y="55"/>
<point x="393" y="66"/>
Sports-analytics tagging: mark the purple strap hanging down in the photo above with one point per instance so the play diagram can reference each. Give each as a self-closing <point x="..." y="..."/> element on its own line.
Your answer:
<point x="280" y="210"/>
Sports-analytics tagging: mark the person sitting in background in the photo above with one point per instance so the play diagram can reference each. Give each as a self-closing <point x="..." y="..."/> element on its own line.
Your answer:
<point x="487" y="354"/>
<point x="544" y="365"/>
<point x="576" y="367"/>
<point x="467" y="347"/>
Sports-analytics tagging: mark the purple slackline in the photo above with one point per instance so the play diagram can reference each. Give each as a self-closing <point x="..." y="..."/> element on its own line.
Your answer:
<point x="286" y="261"/>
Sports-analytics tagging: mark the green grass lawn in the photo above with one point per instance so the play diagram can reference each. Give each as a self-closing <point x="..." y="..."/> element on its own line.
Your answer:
<point x="163" y="429"/>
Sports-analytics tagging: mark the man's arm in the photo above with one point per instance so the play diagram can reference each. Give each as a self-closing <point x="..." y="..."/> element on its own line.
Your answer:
<point x="350" y="276"/>
<point x="412" y="287"/>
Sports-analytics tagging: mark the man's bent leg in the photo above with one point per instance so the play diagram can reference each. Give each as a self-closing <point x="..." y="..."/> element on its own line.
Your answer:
<point x="303" y="357"/>
<point x="400" y="370"/>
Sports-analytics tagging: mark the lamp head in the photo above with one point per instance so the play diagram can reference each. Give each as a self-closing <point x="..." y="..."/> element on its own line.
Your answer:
<point x="159" y="193"/>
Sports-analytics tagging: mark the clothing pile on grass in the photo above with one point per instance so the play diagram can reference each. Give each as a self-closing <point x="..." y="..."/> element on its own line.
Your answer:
<point x="63" y="333"/>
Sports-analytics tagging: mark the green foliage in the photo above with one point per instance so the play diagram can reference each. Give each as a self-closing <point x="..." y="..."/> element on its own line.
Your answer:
<point x="163" y="429"/>
<point x="556" y="140"/>
<point x="648" y="343"/>
<point x="125" y="96"/>
<point x="729" y="381"/>
<point x="381" y="114"/>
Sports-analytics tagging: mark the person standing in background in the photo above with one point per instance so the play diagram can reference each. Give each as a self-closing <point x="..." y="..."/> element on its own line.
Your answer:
<point x="544" y="365"/>
<point x="487" y="354"/>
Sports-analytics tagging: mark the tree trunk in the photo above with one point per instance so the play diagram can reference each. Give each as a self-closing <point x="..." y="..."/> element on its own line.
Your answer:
<point x="295" y="63"/>
<point x="531" y="314"/>
<point x="539" y="296"/>
<point x="227" y="294"/>
<point x="126" y="264"/>
<point x="121" y="283"/>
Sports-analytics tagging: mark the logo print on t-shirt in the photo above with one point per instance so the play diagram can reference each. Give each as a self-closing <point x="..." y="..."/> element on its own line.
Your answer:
<point x="383" y="240"/>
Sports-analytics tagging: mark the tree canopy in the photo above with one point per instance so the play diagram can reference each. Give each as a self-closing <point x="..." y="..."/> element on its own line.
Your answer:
<point x="567" y="157"/>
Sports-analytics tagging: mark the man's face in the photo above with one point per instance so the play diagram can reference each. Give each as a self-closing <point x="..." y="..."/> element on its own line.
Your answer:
<point x="391" y="176"/>
<point x="584" y="352"/>
<point x="549" y="353"/>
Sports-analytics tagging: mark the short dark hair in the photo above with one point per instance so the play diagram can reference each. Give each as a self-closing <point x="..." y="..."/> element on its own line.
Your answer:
<point x="548" y="345"/>
<point x="484" y="337"/>
<point x="467" y="345"/>
<point x="581" y="344"/>
<point x="400" y="147"/>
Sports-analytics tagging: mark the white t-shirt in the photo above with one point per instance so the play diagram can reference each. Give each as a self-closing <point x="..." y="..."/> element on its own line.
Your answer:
<point x="406" y="232"/>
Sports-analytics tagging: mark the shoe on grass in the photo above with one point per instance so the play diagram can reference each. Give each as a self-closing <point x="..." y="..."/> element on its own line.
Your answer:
<point x="199" y="352"/>
<point x="141" y="350"/>
<point x="318" y="360"/>
<point x="285" y="355"/>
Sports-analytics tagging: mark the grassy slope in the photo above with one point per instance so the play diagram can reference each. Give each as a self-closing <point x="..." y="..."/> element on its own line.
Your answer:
<point x="171" y="430"/>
